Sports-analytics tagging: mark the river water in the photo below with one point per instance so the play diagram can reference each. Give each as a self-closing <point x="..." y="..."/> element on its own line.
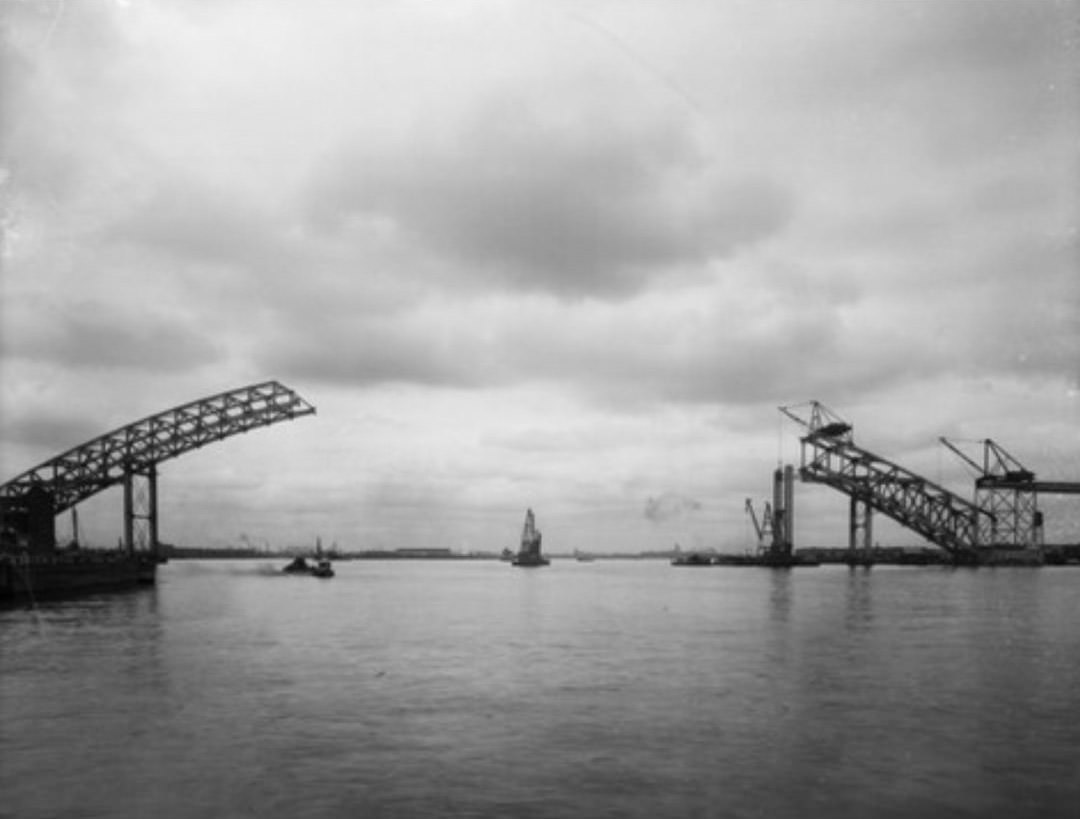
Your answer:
<point x="611" y="688"/>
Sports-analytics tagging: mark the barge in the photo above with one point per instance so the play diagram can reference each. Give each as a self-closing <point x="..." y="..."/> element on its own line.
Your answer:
<point x="29" y="577"/>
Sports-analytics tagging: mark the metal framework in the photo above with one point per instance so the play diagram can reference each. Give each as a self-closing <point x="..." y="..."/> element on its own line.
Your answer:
<point x="132" y="452"/>
<point x="764" y="528"/>
<point x="831" y="457"/>
<point x="1008" y="492"/>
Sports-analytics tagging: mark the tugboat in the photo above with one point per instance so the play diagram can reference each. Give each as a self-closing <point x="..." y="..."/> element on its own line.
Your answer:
<point x="321" y="568"/>
<point x="529" y="553"/>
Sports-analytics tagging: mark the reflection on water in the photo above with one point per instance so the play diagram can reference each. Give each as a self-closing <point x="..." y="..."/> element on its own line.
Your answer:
<point x="859" y="612"/>
<point x="780" y="594"/>
<point x="586" y="689"/>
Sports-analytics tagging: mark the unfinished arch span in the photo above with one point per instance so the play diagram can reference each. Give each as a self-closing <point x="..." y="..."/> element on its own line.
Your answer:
<point x="31" y="500"/>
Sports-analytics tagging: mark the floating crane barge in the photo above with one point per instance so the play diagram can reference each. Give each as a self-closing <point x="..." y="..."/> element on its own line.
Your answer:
<point x="529" y="553"/>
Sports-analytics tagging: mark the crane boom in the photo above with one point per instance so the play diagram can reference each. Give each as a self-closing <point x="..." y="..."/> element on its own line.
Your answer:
<point x="763" y="528"/>
<point x="822" y="423"/>
<point x="754" y="520"/>
<point x="961" y="454"/>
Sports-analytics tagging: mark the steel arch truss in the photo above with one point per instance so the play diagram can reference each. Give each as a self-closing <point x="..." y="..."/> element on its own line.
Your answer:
<point x="136" y="449"/>
<point x="937" y="514"/>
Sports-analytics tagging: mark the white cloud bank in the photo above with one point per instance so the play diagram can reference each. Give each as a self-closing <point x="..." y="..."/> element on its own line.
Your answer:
<point x="569" y="256"/>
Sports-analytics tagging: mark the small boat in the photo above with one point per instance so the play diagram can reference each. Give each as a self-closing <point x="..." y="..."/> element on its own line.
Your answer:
<point x="320" y="568"/>
<point x="529" y="553"/>
<point x="298" y="566"/>
<point x="583" y="557"/>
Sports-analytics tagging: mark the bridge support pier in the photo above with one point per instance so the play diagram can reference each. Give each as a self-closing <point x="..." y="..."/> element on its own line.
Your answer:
<point x="860" y="531"/>
<point x="783" y="527"/>
<point x="140" y="510"/>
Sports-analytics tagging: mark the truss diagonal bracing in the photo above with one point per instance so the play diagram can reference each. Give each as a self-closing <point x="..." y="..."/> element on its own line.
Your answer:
<point x="1009" y="493"/>
<point x="137" y="448"/>
<point x="830" y="457"/>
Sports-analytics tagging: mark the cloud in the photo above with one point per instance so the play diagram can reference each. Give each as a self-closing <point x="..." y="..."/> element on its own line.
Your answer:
<point x="94" y="336"/>
<point x="395" y="350"/>
<point x="649" y="349"/>
<point x="50" y="432"/>
<point x="566" y="249"/>
<point x="547" y="192"/>
<point x="193" y="220"/>
<point x="766" y="336"/>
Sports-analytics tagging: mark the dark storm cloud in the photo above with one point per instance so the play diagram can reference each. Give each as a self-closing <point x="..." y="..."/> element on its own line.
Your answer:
<point x="554" y="199"/>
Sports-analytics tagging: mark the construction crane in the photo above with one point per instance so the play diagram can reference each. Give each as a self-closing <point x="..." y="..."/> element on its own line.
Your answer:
<point x="1000" y="470"/>
<point x="764" y="529"/>
<point x="1008" y="492"/>
<point x="821" y="423"/>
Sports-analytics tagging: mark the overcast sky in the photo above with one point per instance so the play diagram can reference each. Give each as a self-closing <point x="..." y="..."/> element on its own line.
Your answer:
<point x="566" y="255"/>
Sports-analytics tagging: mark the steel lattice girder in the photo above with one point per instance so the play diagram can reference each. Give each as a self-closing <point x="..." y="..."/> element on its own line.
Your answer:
<point x="85" y="470"/>
<point x="937" y="514"/>
<point x="1012" y="513"/>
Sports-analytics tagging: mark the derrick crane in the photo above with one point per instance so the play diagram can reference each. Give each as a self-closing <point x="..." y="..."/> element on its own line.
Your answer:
<point x="1009" y="494"/>
<point x="1003" y="490"/>
<point x="998" y="467"/>
<point x="764" y="529"/>
<point x="822" y="423"/>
